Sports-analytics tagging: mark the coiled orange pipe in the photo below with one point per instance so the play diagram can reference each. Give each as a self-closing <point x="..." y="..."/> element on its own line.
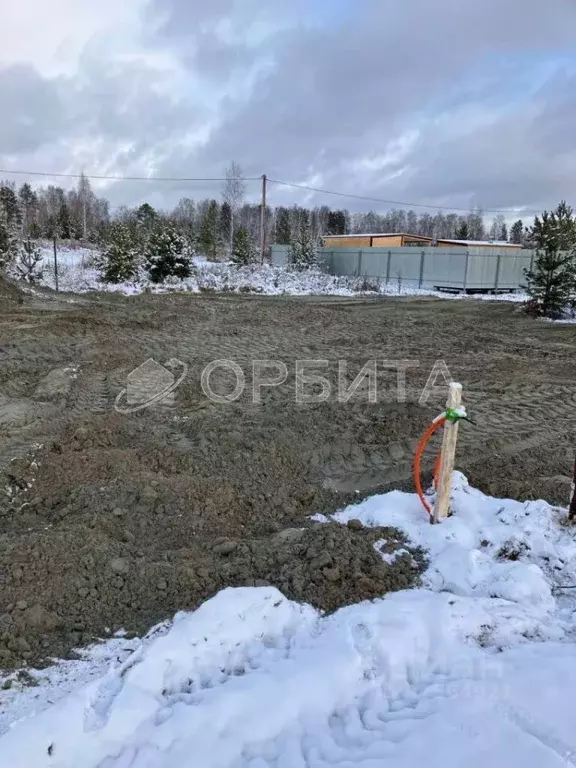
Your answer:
<point x="436" y="424"/>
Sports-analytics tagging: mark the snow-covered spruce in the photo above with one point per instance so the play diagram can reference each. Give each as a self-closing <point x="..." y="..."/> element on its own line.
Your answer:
<point x="304" y="247"/>
<point x="118" y="261"/>
<point x="476" y="668"/>
<point x="243" y="251"/>
<point x="28" y="264"/>
<point x="166" y="254"/>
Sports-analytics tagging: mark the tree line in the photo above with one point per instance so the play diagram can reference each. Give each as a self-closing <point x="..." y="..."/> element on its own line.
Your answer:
<point x="132" y="239"/>
<point x="79" y="214"/>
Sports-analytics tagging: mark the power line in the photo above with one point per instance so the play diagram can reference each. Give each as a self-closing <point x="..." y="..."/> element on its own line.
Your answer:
<point x="349" y="195"/>
<point x="397" y="202"/>
<point x="117" y="178"/>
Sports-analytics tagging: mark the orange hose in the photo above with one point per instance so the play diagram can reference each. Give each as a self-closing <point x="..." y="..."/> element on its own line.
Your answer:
<point x="437" y="464"/>
<point x="418" y="461"/>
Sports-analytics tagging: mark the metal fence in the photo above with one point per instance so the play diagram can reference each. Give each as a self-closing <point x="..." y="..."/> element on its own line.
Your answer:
<point x="448" y="269"/>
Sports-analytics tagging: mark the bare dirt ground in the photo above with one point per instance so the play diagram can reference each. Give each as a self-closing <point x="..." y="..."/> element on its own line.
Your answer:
<point x="112" y="520"/>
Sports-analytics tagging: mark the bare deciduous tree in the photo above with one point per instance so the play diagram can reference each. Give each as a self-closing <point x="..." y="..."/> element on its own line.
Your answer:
<point x="233" y="193"/>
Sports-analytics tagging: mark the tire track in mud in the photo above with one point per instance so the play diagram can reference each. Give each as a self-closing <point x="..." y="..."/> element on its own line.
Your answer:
<point x="134" y="503"/>
<point x="514" y="422"/>
<point x="90" y="394"/>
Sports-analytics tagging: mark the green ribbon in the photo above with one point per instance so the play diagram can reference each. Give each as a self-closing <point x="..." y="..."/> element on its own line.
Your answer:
<point x="453" y="415"/>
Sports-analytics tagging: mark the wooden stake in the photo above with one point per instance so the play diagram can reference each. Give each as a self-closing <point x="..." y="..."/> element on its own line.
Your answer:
<point x="55" y="263"/>
<point x="572" y="507"/>
<point x="442" y="505"/>
<point x="263" y="220"/>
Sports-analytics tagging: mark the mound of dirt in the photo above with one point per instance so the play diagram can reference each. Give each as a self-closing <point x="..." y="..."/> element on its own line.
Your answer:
<point x="73" y="567"/>
<point x="327" y="565"/>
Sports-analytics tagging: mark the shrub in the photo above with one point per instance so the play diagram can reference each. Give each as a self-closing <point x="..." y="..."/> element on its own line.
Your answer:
<point x="29" y="263"/>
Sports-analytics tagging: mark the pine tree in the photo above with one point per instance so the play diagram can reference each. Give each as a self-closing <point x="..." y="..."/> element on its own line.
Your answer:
<point x="559" y="232"/>
<point x="209" y="230"/>
<point x="282" y="233"/>
<point x="64" y="223"/>
<point x="462" y="231"/>
<point x="167" y="254"/>
<point x="119" y="254"/>
<point x="9" y="226"/>
<point x="9" y="204"/>
<point x="517" y="232"/>
<point x="29" y="262"/>
<point x="226" y="226"/>
<point x="303" y="251"/>
<point x="243" y="251"/>
<point x="551" y="283"/>
<point x="146" y="217"/>
<point x="35" y="230"/>
<point x="336" y="223"/>
<point x="8" y="242"/>
<point x="28" y="206"/>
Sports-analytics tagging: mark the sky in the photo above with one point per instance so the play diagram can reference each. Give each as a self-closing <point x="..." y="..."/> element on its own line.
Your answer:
<point x="434" y="102"/>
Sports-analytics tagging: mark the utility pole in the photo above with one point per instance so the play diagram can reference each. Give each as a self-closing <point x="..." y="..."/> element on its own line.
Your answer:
<point x="55" y="263"/>
<point x="263" y="220"/>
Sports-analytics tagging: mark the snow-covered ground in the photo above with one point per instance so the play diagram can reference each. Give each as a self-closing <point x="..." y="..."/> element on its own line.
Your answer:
<point x="569" y="317"/>
<point x="475" y="668"/>
<point x="78" y="274"/>
<point x="68" y="256"/>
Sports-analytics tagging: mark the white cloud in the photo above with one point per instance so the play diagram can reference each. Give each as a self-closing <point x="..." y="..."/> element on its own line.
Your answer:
<point x="53" y="35"/>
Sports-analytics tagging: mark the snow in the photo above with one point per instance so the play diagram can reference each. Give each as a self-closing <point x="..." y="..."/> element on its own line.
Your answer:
<point x="77" y="274"/>
<point x="68" y="256"/>
<point x="485" y="243"/>
<point x="569" y="317"/>
<point x="476" y="667"/>
<point x="468" y="550"/>
<point x="377" y="234"/>
<point x="53" y="683"/>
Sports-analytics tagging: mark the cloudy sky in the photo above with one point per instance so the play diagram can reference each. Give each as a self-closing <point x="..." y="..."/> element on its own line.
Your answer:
<point x="442" y="102"/>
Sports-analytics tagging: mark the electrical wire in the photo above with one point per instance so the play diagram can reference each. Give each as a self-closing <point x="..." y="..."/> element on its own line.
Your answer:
<point x="398" y="202"/>
<point x="350" y="195"/>
<point x="119" y="178"/>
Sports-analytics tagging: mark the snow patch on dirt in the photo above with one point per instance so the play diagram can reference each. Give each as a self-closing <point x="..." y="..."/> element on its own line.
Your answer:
<point x="478" y="667"/>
